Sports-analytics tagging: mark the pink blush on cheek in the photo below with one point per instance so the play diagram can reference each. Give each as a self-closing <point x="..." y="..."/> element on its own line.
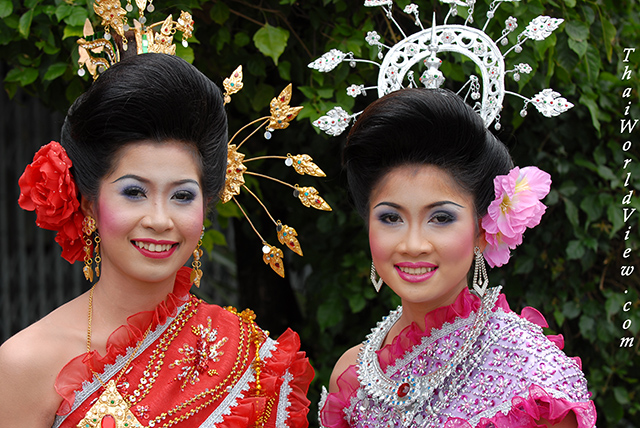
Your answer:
<point x="110" y="221"/>
<point x="375" y="247"/>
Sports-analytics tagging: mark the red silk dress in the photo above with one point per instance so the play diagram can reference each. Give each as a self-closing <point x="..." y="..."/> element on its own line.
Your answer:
<point x="197" y="366"/>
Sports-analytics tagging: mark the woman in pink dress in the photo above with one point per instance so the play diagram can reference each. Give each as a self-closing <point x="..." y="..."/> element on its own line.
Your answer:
<point x="439" y="194"/>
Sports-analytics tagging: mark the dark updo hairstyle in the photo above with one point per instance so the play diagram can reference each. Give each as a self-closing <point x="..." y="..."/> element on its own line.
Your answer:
<point x="423" y="127"/>
<point x="152" y="97"/>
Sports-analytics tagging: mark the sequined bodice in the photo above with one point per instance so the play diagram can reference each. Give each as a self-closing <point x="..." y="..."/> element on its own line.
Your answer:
<point x="509" y="355"/>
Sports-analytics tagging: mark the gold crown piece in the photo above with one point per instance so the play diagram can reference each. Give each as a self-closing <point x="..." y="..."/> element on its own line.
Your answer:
<point x="99" y="53"/>
<point x="281" y="115"/>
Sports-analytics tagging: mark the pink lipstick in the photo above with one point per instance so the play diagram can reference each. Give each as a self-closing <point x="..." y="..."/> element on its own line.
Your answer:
<point x="155" y="249"/>
<point x="415" y="272"/>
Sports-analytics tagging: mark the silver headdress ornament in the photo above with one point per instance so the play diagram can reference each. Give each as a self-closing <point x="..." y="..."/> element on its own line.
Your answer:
<point x="396" y="66"/>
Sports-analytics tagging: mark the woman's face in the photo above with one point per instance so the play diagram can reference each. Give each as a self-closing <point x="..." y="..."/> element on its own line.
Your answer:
<point x="150" y="211"/>
<point x="422" y="231"/>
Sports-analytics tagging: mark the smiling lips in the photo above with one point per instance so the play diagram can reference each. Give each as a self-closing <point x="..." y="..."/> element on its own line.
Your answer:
<point x="155" y="249"/>
<point x="415" y="272"/>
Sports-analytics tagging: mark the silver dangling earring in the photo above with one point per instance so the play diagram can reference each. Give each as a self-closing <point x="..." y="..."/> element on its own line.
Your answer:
<point x="377" y="283"/>
<point x="480" y="277"/>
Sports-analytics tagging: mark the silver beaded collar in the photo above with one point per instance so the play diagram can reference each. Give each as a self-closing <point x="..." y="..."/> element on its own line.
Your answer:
<point x="408" y="394"/>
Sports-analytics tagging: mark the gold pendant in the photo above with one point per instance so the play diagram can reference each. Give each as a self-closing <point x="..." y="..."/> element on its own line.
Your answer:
<point x="110" y="411"/>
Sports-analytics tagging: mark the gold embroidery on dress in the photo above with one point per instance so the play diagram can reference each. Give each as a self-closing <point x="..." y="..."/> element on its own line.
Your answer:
<point x="198" y="359"/>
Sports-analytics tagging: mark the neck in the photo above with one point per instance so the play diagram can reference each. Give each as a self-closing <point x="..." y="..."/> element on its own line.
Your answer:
<point x="116" y="297"/>
<point x="415" y="312"/>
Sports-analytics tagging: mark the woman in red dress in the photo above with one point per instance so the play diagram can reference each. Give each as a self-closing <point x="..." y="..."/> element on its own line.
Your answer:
<point x="142" y="155"/>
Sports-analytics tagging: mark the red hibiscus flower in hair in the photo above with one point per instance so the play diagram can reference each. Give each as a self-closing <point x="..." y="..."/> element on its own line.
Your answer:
<point x="71" y="240"/>
<point x="47" y="187"/>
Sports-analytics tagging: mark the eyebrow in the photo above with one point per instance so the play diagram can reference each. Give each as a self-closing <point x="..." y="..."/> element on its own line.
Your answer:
<point x="144" y="180"/>
<point x="430" y="206"/>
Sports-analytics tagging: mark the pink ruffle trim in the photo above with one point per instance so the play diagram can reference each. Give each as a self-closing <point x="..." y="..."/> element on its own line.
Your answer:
<point x="525" y="412"/>
<point x="78" y="370"/>
<point x="332" y="413"/>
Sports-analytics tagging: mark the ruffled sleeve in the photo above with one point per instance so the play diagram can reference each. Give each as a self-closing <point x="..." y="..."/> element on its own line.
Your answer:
<point x="80" y="368"/>
<point x="539" y="405"/>
<point x="282" y="400"/>
<point x="289" y="373"/>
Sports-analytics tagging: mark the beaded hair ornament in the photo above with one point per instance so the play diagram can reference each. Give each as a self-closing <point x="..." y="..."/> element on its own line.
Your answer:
<point x="281" y="115"/>
<point x="517" y="205"/>
<point x="98" y="51"/>
<point x="418" y="52"/>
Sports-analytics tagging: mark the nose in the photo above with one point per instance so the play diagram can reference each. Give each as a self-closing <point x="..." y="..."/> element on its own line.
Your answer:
<point x="158" y="217"/>
<point x="416" y="241"/>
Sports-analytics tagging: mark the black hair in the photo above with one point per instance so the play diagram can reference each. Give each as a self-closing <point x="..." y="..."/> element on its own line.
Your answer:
<point x="152" y="97"/>
<point x="423" y="127"/>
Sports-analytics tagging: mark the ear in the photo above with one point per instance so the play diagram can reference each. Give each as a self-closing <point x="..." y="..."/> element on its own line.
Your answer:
<point x="87" y="207"/>
<point x="481" y="240"/>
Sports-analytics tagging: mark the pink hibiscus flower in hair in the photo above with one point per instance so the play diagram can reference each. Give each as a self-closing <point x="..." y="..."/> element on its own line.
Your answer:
<point x="516" y="207"/>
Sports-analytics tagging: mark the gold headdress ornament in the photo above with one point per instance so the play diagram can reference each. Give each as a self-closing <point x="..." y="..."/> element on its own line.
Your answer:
<point x="281" y="115"/>
<point x="98" y="50"/>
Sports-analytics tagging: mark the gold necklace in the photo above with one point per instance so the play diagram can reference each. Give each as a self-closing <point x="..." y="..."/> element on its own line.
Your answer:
<point x="111" y="410"/>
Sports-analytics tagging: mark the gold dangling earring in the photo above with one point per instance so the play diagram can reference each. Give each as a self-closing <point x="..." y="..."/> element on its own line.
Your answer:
<point x="97" y="257"/>
<point x="196" y="273"/>
<point x="88" y="227"/>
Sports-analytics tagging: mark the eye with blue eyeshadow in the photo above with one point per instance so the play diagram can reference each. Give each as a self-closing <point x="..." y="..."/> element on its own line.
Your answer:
<point x="443" y="217"/>
<point x="134" y="192"/>
<point x="184" y="195"/>
<point x="389" y="217"/>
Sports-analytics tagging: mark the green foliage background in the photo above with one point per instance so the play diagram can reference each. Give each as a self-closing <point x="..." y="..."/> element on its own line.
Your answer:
<point x="569" y="268"/>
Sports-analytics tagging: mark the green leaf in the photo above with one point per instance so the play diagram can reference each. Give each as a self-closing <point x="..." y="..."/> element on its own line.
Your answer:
<point x="228" y="210"/>
<point x="6" y="8"/>
<point x="614" y="304"/>
<point x="77" y="17"/>
<point x="211" y="238"/>
<point x="570" y="3"/>
<point x="559" y="317"/>
<point x="271" y="41"/>
<point x="592" y="63"/>
<point x="572" y="212"/>
<point x="63" y="11"/>
<point x="356" y="302"/>
<point x="609" y="35"/>
<point x="262" y="97"/>
<point x="219" y="13"/>
<point x="55" y="70"/>
<point x="71" y="31"/>
<point x="241" y="39"/>
<point x="284" y="69"/>
<point x="590" y="103"/>
<point x="185" y="53"/>
<point x="329" y="313"/>
<point x="570" y="309"/>
<point x="616" y="217"/>
<point x="579" y="46"/>
<point x="24" y="25"/>
<point x="587" y="326"/>
<point x="575" y="250"/>
<point x="24" y="76"/>
<point x="578" y="31"/>
<point x="621" y="394"/>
